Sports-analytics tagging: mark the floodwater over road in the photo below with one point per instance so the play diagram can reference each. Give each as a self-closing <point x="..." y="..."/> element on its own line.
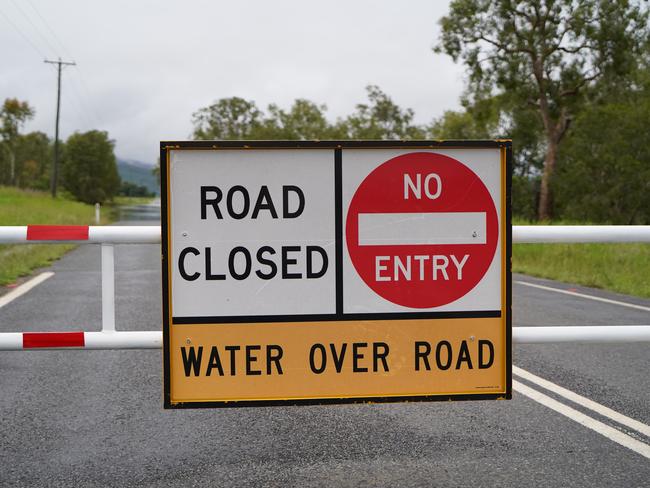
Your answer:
<point x="146" y="214"/>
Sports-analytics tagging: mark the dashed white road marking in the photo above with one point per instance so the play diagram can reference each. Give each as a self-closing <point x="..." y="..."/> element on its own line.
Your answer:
<point x="597" y="426"/>
<point x="583" y="401"/>
<point x="582" y="295"/>
<point x="24" y="288"/>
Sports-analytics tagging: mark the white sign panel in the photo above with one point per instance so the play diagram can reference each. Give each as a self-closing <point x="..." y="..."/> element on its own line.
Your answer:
<point x="252" y="232"/>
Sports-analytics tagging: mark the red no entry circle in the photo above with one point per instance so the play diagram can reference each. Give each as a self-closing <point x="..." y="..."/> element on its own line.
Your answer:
<point x="414" y="267"/>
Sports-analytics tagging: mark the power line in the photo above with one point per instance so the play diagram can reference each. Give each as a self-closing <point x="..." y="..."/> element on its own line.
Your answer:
<point x="76" y="104"/>
<point x="23" y="35"/>
<point x="55" y="168"/>
<point x="79" y="104"/>
<point x="47" y="25"/>
<point x="86" y="93"/>
<point x="82" y="94"/>
<point x="79" y="88"/>
<point x="36" y="29"/>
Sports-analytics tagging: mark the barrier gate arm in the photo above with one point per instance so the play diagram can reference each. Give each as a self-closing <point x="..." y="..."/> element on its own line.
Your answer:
<point x="110" y="338"/>
<point x="149" y="234"/>
<point x="16" y="341"/>
<point x="588" y="334"/>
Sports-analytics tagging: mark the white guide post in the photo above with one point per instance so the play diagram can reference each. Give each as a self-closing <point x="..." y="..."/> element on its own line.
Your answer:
<point x="97" y="214"/>
<point x="108" y="288"/>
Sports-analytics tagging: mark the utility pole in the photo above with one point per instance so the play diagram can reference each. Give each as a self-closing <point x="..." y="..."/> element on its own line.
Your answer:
<point x="55" y="168"/>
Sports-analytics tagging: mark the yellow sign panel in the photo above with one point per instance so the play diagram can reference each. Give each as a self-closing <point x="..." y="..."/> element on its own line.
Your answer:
<point x="335" y="272"/>
<point x="368" y="359"/>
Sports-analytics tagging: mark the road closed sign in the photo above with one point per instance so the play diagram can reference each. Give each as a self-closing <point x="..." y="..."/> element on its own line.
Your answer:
<point x="335" y="272"/>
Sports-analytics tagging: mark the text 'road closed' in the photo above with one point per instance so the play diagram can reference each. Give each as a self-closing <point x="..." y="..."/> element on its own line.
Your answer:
<point x="267" y="261"/>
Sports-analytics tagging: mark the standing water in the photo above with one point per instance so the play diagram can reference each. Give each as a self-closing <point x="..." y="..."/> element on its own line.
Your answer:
<point x="146" y="214"/>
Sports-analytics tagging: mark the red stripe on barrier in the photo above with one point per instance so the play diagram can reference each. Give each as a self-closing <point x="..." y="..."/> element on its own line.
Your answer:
<point x="52" y="339"/>
<point x="57" y="232"/>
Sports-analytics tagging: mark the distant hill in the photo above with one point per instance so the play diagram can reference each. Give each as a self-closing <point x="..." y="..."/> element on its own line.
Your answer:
<point x="138" y="173"/>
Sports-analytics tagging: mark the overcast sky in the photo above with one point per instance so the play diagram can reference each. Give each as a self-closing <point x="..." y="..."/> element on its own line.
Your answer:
<point x="143" y="67"/>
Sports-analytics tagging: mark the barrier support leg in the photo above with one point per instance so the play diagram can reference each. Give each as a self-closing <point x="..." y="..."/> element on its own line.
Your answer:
<point x="108" y="288"/>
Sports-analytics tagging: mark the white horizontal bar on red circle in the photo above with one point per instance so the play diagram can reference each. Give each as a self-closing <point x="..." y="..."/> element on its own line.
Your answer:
<point x="395" y="229"/>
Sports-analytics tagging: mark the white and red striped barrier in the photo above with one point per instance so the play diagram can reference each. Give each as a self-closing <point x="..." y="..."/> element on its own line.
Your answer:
<point x="151" y="234"/>
<point x="598" y="334"/>
<point x="109" y="338"/>
<point x="80" y="234"/>
<point x="15" y="341"/>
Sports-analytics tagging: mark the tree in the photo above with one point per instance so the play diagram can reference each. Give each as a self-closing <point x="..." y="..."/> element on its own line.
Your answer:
<point x="604" y="171"/>
<point x="381" y="118"/>
<point x="128" y="189"/>
<point x="33" y="158"/>
<point x="228" y="118"/>
<point x="545" y="54"/>
<point x="155" y="171"/>
<point x="305" y="120"/>
<point x="13" y="115"/>
<point x="476" y="121"/>
<point x="236" y="118"/>
<point x="496" y="118"/>
<point x="89" y="167"/>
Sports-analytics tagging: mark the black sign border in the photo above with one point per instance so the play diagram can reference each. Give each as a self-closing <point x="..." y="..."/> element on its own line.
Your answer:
<point x="338" y="147"/>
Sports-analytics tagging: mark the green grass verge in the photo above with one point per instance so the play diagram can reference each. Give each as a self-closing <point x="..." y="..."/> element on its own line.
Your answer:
<point x="624" y="268"/>
<point x="20" y="207"/>
<point x="21" y="259"/>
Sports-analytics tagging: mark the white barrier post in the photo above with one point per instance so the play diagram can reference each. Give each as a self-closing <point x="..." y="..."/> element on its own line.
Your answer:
<point x="108" y="288"/>
<point x="97" y="215"/>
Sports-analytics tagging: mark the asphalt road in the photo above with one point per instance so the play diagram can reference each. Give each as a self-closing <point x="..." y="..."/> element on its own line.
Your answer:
<point x="95" y="418"/>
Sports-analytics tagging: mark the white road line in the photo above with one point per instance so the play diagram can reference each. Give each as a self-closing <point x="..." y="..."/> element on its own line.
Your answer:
<point x="582" y="295"/>
<point x="24" y="288"/>
<point x="583" y="401"/>
<point x="593" y="424"/>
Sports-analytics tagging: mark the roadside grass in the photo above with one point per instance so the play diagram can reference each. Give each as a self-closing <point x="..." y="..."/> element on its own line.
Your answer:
<point x="24" y="207"/>
<point x="623" y="268"/>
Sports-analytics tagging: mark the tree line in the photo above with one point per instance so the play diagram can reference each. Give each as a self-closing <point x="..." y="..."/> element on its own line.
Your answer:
<point x="237" y="118"/>
<point x="567" y="80"/>
<point x="88" y="165"/>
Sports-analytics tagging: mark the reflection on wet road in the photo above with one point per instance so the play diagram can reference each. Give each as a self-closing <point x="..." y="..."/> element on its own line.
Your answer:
<point x="148" y="214"/>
